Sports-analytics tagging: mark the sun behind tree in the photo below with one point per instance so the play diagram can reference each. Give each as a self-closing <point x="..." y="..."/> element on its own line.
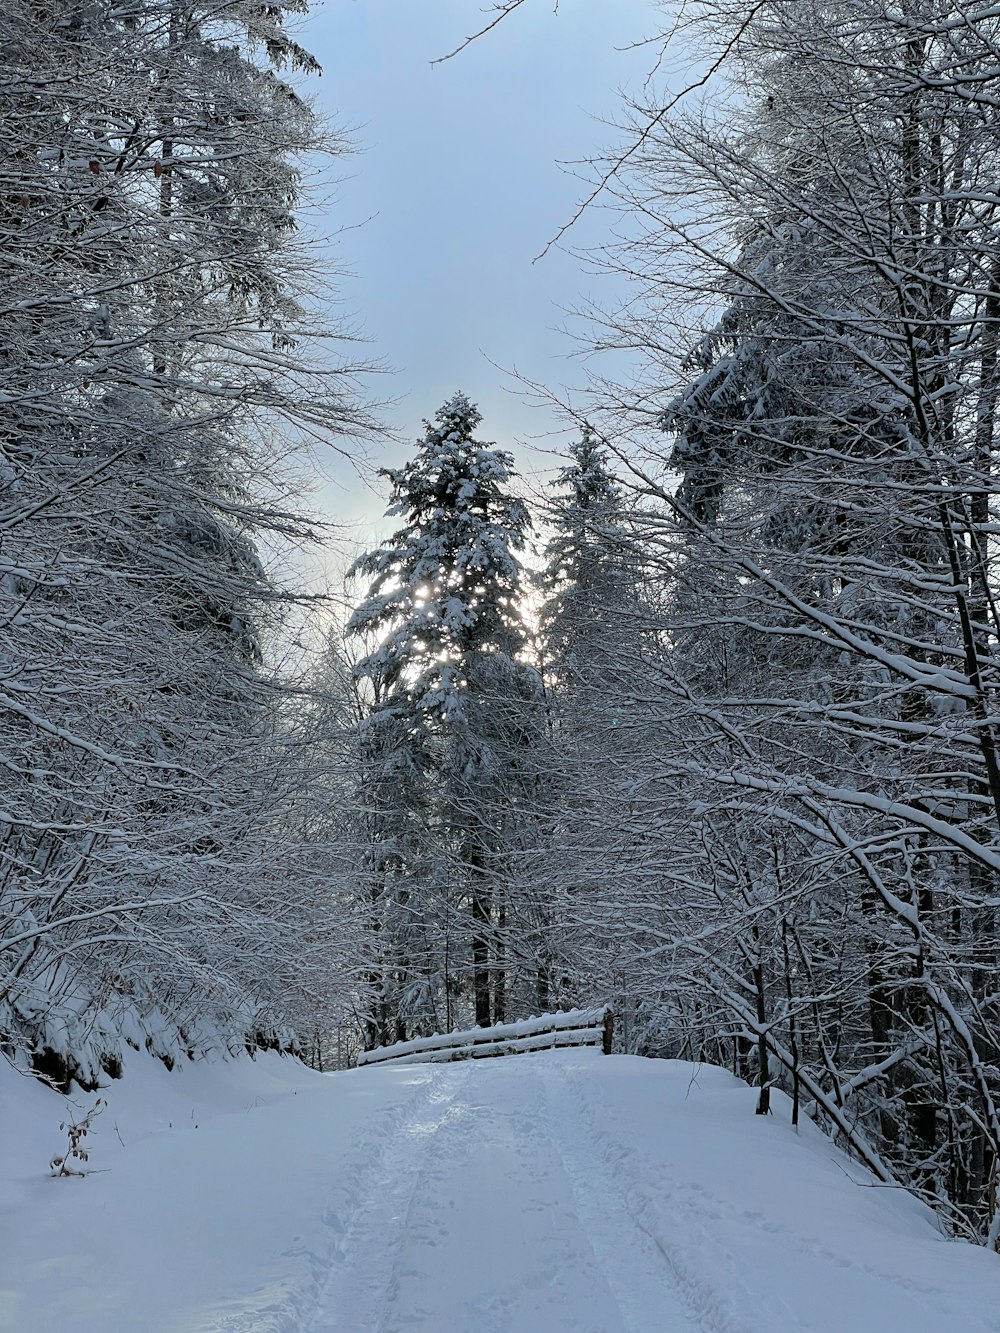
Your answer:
<point x="449" y="717"/>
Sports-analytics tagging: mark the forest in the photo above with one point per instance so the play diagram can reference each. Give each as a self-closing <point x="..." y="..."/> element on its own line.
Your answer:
<point x="706" y="729"/>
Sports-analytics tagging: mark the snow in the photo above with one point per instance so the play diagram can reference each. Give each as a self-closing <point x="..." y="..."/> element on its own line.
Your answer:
<point x="561" y="1192"/>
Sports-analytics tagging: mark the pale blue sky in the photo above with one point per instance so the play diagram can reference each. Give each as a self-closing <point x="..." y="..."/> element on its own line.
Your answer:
<point x="458" y="177"/>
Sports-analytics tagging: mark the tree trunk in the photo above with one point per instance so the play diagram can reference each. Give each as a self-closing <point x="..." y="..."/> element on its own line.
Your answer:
<point x="500" y="974"/>
<point x="481" y="955"/>
<point x="764" y="1100"/>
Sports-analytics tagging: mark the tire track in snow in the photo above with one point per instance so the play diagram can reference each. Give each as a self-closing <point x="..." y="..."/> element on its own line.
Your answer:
<point x="649" y="1279"/>
<point x="364" y="1272"/>
<point x="293" y="1309"/>
<point x="549" y="1278"/>
<point x="688" y="1248"/>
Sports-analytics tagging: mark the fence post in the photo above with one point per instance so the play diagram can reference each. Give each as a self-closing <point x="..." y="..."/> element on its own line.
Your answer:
<point x="609" y="1030"/>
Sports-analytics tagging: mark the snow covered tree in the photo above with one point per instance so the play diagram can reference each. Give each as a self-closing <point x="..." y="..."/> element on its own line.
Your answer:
<point x="150" y="307"/>
<point x="586" y="583"/>
<point x="591" y="624"/>
<point x="449" y="691"/>
<point x="819" y="768"/>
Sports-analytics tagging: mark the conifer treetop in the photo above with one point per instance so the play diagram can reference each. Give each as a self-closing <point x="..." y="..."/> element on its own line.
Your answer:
<point x="445" y="587"/>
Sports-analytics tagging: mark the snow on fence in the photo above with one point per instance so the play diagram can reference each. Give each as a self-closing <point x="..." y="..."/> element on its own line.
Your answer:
<point x="573" y="1027"/>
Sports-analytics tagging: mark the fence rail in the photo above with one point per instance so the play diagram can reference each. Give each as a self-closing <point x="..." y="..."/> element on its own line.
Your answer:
<point x="573" y="1027"/>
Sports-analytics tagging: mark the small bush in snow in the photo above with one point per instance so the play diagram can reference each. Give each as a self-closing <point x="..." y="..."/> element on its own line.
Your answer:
<point x="75" y="1156"/>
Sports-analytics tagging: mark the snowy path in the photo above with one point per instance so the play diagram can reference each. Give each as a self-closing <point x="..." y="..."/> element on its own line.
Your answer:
<point x="562" y="1192"/>
<point x="487" y="1161"/>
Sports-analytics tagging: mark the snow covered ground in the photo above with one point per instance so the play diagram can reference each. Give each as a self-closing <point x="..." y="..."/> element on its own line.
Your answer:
<point x="562" y="1192"/>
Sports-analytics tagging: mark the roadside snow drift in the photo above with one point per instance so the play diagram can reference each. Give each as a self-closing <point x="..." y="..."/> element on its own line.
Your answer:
<point x="560" y="1192"/>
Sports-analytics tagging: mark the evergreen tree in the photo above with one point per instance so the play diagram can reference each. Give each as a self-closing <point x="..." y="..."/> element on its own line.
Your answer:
<point x="586" y="618"/>
<point x="448" y="690"/>
<point x="585" y="584"/>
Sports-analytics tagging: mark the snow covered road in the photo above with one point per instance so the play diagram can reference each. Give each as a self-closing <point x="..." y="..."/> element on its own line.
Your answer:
<point x="552" y="1193"/>
<point x="497" y="1218"/>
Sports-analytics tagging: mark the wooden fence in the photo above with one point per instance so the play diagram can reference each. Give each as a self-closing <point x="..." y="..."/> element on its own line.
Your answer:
<point x="573" y="1027"/>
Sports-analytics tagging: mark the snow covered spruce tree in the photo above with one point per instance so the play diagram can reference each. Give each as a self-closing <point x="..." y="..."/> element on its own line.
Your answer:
<point x="584" y="582"/>
<point x="591" y="628"/>
<point x="149" y="369"/>
<point x="452" y="707"/>
<point x="833" y="628"/>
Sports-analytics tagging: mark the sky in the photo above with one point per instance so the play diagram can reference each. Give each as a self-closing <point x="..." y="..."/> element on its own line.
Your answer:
<point x="455" y="188"/>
